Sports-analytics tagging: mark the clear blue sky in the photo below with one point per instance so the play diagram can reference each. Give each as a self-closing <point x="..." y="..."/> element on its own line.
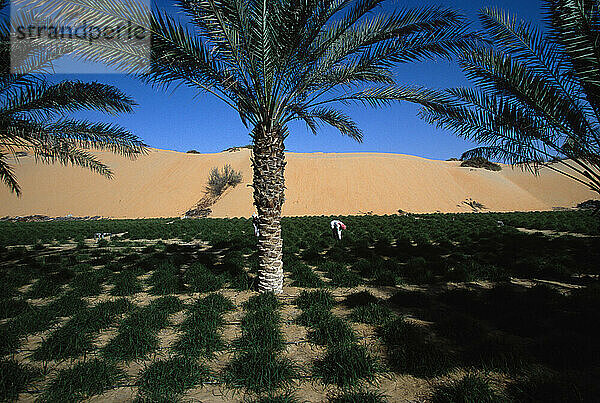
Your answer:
<point x="179" y="120"/>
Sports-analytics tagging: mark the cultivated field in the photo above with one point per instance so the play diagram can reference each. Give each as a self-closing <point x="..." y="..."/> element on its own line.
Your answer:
<point x="439" y="307"/>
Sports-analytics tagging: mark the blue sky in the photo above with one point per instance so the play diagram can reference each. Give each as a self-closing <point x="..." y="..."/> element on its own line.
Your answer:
<point x="180" y="120"/>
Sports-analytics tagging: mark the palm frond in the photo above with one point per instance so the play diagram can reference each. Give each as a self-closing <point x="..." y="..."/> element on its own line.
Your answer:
<point x="339" y="120"/>
<point x="575" y="25"/>
<point x="7" y="175"/>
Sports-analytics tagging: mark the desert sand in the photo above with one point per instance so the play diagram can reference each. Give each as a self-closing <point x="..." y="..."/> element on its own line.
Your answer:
<point x="168" y="183"/>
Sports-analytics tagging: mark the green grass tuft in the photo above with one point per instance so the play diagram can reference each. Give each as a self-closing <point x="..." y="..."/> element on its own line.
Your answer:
<point x="137" y="333"/>
<point x="14" y="378"/>
<point x="75" y="338"/>
<point x="471" y="388"/>
<point x="304" y="276"/>
<point x="259" y="371"/>
<point x="166" y="380"/>
<point x="345" y="365"/>
<point x="201" y="327"/>
<point x="287" y="397"/>
<point x="410" y="350"/>
<point x="10" y="338"/>
<point x="264" y="301"/>
<point x="85" y="379"/>
<point x="201" y="279"/>
<point x="166" y="280"/>
<point x="215" y="302"/>
<point x="345" y="278"/>
<point x="313" y="316"/>
<point x="126" y="283"/>
<point x="86" y="284"/>
<point x="332" y="331"/>
<point x="359" y="397"/>
<point x="309" y="299"/>
<point x="373" y="314"/>
<point x="361" y="298"/>
<point x="10" y="307"/>
<point x="257" y="364"/>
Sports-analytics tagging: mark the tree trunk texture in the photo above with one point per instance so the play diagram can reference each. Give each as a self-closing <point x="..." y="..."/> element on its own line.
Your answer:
<point x="268" y="163"/>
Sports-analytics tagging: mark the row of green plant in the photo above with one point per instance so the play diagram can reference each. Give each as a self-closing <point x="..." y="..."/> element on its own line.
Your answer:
<point x="239" y="232"/>
<point x="258" y="363"/>
<point x="346" y="363"/>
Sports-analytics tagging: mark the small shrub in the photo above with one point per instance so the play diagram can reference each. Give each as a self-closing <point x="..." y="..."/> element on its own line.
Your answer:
<point x="218" y="181"/>
<point x="480" y="162"/>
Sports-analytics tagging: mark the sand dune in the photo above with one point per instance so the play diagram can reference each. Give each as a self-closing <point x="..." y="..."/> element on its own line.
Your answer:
<point x="167" y="183"/>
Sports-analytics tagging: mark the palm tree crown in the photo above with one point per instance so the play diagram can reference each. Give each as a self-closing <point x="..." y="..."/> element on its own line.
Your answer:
<point x="275" y="61"/>
<point x="536" y="100"/>
<point x="34" y="114"/>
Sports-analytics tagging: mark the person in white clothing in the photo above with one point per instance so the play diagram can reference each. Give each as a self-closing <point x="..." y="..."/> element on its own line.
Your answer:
<point x="255" y="224"/>
<point x="336" y="228"/>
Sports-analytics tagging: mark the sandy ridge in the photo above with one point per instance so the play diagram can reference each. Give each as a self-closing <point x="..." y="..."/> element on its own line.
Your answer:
<point x="166" y="183"/>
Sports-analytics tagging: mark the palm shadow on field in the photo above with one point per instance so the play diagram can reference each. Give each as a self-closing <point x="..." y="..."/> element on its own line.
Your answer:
<point x="525" y="305"/>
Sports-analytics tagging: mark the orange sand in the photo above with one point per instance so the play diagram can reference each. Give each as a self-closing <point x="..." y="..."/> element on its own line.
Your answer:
<point x="167" y="183"/>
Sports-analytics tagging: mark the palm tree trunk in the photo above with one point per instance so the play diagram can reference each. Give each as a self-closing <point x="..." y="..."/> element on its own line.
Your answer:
<point x="268" y="163"/>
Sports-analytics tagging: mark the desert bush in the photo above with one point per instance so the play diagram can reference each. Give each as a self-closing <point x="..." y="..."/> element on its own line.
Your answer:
<point x="480" y="162"/>
<point x="219" y="180"/>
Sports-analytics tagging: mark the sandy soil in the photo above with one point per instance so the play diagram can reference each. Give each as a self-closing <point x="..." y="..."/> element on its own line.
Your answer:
<point x="167" y="183"/>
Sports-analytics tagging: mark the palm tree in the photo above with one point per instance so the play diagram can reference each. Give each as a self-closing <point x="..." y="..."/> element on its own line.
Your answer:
<point x="536" y="101"/>
<point x="273" y="62"/>
<point x="33" y="113"/>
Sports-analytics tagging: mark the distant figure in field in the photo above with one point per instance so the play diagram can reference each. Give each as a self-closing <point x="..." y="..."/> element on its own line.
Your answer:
<point x="255" y="224"/>
<point x="336" y="228"/>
